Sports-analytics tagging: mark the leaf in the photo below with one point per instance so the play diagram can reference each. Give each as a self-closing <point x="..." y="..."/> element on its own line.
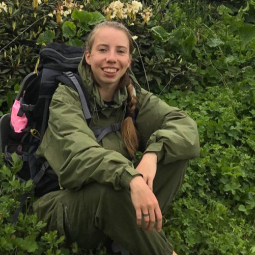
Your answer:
<point x="9" y="99"/>
<point x="230" y="59"/>
<point x="160" y="33"/>
<point x="5" y="171"/>
<point x="69" y="29"/>
<point x="214" y="42"/>
<point x="189" y="43"/>
<point x="223" y="10"/>
<point x="76" y="42"/>
<point x="87" y="18"/>
<point x="96" y="17"/>
<point x="247" y="33"/>
<point x="160" y="52"/>
<point x="5" y="71"/>
<point x="46" y="37"/>
<point x="17" y="162"/>
<point x="252" y="112"/>
<point x="242" y="208"/>
<point x="28" y="244"/>
<point x="80" y="15"/>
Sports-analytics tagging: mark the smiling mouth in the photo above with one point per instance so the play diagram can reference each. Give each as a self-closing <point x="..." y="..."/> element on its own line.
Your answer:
<point x="110" y="70"/>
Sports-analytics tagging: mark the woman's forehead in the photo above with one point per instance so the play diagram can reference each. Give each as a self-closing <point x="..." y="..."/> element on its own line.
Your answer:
<point x="109" y="35"/>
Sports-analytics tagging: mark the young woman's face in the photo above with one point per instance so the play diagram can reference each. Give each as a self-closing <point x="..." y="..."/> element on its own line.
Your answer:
<point x="109" y="57"/>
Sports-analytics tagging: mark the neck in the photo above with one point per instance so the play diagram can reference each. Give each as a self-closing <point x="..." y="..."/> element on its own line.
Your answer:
<point x="107" y="93"/>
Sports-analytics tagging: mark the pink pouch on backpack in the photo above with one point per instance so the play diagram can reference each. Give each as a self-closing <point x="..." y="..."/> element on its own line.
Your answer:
<point x="18" y="122"/>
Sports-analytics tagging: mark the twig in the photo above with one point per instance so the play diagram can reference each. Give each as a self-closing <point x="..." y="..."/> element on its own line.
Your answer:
<point x="21" y="33"/>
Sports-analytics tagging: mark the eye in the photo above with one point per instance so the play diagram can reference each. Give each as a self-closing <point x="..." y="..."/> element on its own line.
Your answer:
<point x="121" y="51"/>
<point x="102" y="50"/>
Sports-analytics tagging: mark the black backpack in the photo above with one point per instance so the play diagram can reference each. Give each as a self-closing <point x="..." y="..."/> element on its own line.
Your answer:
<point x="58" y="64"/>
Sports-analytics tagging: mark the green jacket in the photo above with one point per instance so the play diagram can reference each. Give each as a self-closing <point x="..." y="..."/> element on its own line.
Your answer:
<point x="70" y="146"/>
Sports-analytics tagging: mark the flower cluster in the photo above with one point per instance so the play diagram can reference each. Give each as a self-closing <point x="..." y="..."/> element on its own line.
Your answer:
<point x="146" y="14"/>
<point x="64" y="9"/>
<point x="3" y="6"/>
<point x="115" y="9"/>
<point x="119" y="10"/>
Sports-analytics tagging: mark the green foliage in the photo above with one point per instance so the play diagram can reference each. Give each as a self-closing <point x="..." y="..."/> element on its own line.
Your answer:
<point x="25" y="235"/>
<point x="216" y="203"/>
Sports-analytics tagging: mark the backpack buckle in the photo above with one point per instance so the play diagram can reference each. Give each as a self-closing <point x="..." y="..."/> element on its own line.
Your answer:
<point x="115" y="127"/>
<point x="69" y="74"/>
<point x="27" y="107"/>
<point x="45" y="166"/>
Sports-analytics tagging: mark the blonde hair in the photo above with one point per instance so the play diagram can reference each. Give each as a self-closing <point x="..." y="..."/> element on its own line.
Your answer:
<point x="128" y="130"/>
<point x="112" y="24"/>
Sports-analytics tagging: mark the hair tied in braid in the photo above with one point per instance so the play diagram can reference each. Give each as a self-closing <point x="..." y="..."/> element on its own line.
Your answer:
<point x="128" y="130"/>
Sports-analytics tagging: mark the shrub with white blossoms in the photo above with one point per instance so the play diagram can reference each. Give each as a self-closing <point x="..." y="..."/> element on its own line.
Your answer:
<point x="119" y="10"/>
<point x="65" y="8"/>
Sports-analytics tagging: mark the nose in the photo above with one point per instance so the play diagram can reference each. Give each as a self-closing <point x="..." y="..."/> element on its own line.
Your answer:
<point x="111" y="57"/>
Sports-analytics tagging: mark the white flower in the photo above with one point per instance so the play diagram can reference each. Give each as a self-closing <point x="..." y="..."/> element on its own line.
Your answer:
<point x="115" y="9"/>
<point x="147" y="13"/>
<point x="134" y="37"/>
<point x="3" y="6"/>
<point x="136" y="6"/>
<point x="66" y="13"/>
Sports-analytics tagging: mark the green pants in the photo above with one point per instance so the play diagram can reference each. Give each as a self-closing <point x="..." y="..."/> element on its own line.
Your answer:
<point x="97" y="212"/>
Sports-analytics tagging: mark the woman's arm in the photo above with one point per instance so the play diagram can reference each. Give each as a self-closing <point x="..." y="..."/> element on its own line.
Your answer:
<point x="165" y="130"/>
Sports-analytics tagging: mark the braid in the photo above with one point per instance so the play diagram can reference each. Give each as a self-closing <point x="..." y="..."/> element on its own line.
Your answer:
<point x="128" y="129"/>
<point x="132" y="101"/>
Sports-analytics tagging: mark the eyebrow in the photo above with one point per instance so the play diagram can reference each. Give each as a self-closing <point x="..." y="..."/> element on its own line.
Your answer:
<point x="106" y="45"/>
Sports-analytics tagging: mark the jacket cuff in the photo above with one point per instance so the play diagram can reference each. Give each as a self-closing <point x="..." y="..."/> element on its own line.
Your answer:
<point x="156" y="148"/>
<point x="127" y="176"/>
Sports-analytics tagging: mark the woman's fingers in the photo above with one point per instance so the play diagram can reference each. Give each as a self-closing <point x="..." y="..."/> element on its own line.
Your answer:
<point x="159" y="219"/>
<point x="139" y="218"/>
<point x="146" y="205"/>
<point x="151" y="220"/>
<point x="146" y="220"/>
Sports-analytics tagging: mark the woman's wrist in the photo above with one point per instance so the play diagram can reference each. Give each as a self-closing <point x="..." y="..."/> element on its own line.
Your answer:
<point x="151" y="156"/>
<point x="135" y="180"/>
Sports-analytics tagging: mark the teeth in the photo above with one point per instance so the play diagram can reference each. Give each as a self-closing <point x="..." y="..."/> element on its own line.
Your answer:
<point x="110" y="70"/>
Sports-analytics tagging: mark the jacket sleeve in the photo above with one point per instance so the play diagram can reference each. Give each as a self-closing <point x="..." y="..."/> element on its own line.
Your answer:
<point x="166" y="130"/>
<point x="71" y="149"/>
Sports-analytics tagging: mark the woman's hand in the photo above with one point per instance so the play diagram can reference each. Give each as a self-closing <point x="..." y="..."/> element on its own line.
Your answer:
<point x="148" y="167"/>
<point x="146" y="205"/>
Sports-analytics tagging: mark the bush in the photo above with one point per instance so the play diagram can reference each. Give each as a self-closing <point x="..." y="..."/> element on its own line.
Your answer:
<point x="214" y="210"/>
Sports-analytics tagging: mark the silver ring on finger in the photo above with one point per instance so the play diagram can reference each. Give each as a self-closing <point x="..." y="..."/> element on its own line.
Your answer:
<point x="145" y="214"/>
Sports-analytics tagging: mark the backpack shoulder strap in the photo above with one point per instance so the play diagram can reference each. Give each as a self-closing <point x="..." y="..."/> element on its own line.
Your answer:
<point x="26" y="81"/>
<point x="82" y="93"/>
<point x="84" y="104"/>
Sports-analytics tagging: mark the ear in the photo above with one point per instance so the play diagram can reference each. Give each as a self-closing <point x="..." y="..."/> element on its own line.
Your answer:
<point x="87" y="57"/>
<point x="130" y="60"/>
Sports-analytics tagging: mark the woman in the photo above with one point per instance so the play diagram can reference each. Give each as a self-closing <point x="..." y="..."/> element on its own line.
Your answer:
<point x="104" y="195"/>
